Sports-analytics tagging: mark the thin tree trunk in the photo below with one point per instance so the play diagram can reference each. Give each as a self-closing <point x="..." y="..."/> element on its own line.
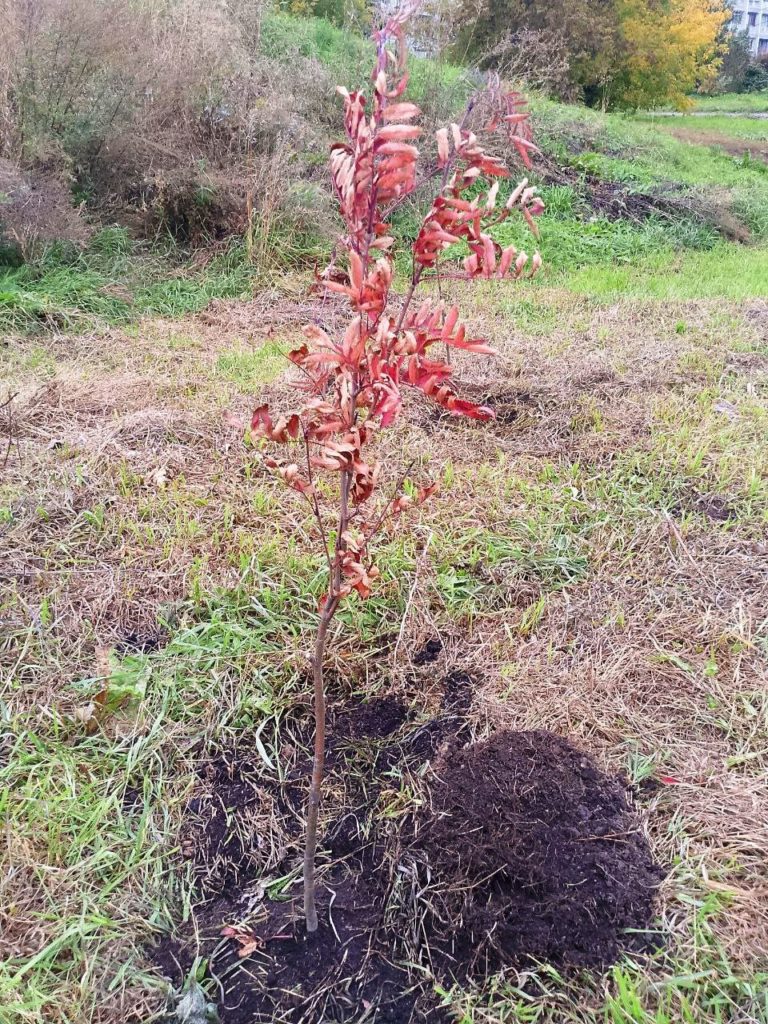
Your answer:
<point x="318" y="764"/>
<point x="318" y="767"/>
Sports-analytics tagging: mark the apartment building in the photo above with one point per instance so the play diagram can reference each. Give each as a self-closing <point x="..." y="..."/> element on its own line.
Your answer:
<point x="751" y="17"/>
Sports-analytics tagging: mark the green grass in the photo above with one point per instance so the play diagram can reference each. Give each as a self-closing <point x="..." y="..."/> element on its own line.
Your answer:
<point x="630" y="150"/>
<point x="252" y="369"/>
<point x="602" y="258"/>
<point x="747" y="102"/>
<point x="658" y="158"/>
<point x="711" y="989"/>
<point x="726" y="271"/>
<point x="734" y="127"/>
<point x="347" y="57"/>
<point x="663" y="257"/>
<point x="115" y="281"/>
<point x="68" y="795"/>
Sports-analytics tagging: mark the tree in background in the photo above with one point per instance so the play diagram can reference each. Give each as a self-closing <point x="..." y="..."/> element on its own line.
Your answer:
<point x="669" y="48"/>
<point x="582" y="34"/>
<point x="739" y="70"/>
<point x="619" y="53"/>
<point x="756" y="76"/>
<point x="736" y="60"/>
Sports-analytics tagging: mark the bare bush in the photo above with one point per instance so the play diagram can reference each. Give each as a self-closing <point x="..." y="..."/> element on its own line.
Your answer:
<point x="531" y="59"/>
<point x="164" y="113"/>
<point x="70" y="73"/>
<point x="35" y="209"/>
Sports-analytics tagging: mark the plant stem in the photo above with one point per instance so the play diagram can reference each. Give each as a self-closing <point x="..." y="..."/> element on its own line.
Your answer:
<point x="407" y="300"/>
<point x="318" y="764"/>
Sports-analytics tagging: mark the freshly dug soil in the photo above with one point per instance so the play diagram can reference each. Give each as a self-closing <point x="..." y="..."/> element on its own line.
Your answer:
<point x="536" y="853"/>
<point x="340" y="974"/>
<point x="522" y="849"/>
<point x="373" y="719"/>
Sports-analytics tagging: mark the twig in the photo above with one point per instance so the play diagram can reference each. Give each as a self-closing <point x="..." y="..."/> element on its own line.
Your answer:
<point x="385" y="511"/>
<point x="315" y="506"/>
<point x="7" y="405"/>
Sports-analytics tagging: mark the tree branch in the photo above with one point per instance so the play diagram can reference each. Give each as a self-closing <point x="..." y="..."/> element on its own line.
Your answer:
<point x="315" y="505"/>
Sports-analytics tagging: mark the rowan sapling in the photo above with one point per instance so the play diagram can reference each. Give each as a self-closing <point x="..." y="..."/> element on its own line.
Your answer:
<point x="354" y="383"/>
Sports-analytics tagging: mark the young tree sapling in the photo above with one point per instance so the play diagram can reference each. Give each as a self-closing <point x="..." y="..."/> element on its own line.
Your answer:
<point x="354" y="383"/>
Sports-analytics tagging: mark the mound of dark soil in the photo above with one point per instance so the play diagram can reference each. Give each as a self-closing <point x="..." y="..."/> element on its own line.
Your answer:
<point x="536" y="853"/>
<point x="523" y="849"/>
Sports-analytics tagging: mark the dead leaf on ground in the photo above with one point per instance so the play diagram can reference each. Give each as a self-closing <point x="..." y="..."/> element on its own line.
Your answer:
<point x="246" y="940"/>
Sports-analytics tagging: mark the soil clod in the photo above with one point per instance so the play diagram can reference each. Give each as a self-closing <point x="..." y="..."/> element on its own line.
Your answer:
<point x="372" y="719"/>
<point x="141" y="641"/>
<point x="532" y="852"/>
<point x="429" y="653"/>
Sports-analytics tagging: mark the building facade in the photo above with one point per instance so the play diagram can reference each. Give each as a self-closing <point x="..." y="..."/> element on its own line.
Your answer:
<point x="751" y="18"/>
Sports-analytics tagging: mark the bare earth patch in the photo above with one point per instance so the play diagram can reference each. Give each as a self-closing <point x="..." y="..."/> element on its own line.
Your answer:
<point x="729" y="143"/>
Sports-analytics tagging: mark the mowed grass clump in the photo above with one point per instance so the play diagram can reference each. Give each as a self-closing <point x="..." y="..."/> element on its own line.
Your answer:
<point x="113" y="280"/>
<point x="593" y="559"/>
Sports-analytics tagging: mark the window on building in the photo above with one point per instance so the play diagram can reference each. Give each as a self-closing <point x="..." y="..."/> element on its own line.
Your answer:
<point x="764" y="20"/>
<point x="762" y="46"/>
<point x="752" y="18"/>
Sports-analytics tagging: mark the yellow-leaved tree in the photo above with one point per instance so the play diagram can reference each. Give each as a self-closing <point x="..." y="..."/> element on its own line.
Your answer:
<point x="669" y="48"/>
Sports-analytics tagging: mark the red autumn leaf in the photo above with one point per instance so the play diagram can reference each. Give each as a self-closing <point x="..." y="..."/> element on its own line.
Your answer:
<point x="286" y="429"/>
<point x="426" y="492"/>
<point x="401" y="111"/>
<point x="247" y="942"/>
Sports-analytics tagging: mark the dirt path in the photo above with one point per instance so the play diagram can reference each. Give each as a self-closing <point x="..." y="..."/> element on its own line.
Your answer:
<point x="731" y="144"/>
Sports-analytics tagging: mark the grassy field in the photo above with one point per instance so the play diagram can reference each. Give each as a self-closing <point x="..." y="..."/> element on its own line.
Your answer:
<point x="733" y="103"/>
<point x="597" y="559"/>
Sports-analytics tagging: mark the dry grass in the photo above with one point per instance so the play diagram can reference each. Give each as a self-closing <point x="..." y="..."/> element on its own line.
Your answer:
<point x="597" y="558"/>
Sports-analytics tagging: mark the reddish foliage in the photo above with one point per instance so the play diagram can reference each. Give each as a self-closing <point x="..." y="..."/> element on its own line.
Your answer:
<point x="354" y="382"/>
